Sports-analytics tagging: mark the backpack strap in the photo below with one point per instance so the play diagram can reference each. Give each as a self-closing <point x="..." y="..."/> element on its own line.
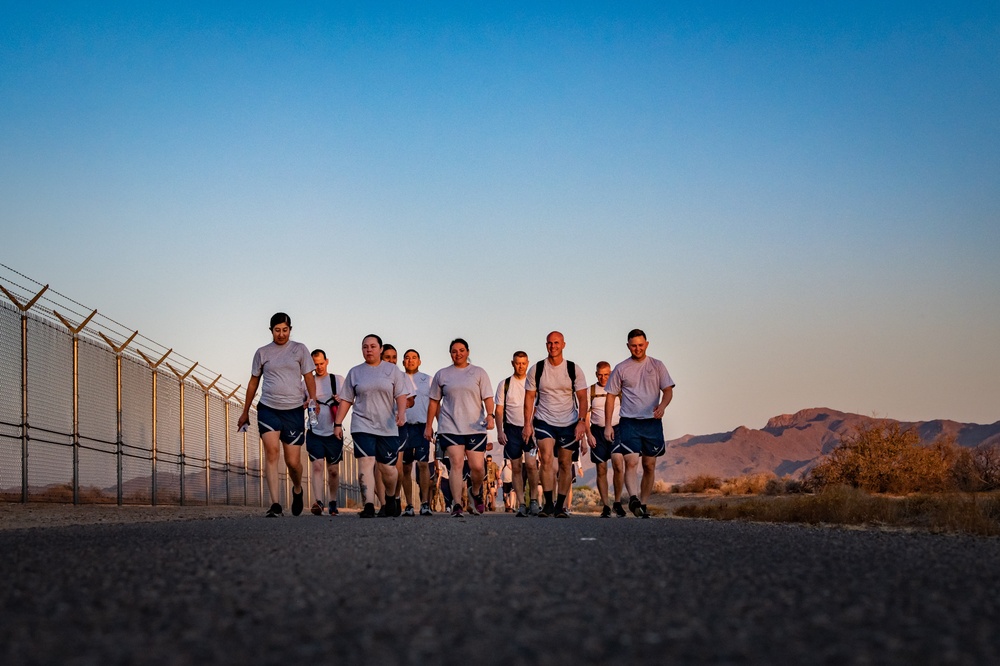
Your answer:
<point x="506" y="390"/>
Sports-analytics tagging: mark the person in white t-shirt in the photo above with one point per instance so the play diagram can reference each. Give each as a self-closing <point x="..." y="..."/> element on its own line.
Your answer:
<point x="416" y="449"/>
<point x="558" y="423"/>
<point x="279" y="369"/>
<point x="509" y="401"/>
<point x="324" y="448"/>
<point x="378" y="391"/>
<point x="601" y="448"/>
<point x="645" y="388"/>
<point x="457" y="396"/>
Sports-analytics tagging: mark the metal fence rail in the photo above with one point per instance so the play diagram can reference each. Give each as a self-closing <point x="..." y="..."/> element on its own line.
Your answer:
<point x="91" y="412"/>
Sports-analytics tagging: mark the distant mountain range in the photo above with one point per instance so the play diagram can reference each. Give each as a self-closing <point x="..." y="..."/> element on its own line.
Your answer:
<point x="790" y="444"/>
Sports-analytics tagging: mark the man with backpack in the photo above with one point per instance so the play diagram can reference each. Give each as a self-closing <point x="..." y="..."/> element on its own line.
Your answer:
<point x="555" y="414"/>
<point x="322" y="445"/>
<point x="509" y="417"/>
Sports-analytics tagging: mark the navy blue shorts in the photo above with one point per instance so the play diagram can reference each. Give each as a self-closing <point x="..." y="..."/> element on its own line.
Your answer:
<point x="324" y="446"/>
<point x="415" y="448"/>
<point x="602" y="449"/>
<point x="516" y="446"/>
<point x="385" y="448"/>
<point x="643" y="436"/>
<point x="475" y="442"/>
<point x="565" y="436"/>
<point x="290" y="424"/>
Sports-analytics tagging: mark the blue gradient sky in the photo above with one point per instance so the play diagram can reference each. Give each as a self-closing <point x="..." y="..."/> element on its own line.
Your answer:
<point x="800" y="205"/>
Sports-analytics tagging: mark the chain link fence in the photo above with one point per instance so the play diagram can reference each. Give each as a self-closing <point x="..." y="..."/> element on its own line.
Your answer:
<point x="91" y="412"/>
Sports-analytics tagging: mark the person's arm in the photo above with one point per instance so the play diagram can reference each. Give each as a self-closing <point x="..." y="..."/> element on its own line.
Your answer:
<point x="401" y="409"/>
<point x="529" y="413"/>
<point x="609" y="413"/>
<point x="498" y="421"/>
<point x="310" y="385"/>
<point x="432" y="411"/>
<point x="251" y="393"/>
<point x="668" y="395"/>
<point x="342" y="408"/>
<point x="581" y="424"/>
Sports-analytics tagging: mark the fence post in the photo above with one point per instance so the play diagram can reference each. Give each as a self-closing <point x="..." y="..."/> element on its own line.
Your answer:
<point x="208" y="438"/>
<point x="24" y="383"/>
<point x="228" y="399"/>
<point x="153" y="366"/>
<point x="119" y="442"/>
<point x="75" y="333"/>
<point x="181" y="378"/>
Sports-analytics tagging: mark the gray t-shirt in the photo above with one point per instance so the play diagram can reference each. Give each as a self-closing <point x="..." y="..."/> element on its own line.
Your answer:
<point x="324" y="397"/>
<point x="556" y="398"/>
<point x="420" y="385"/>
<point x="598" y="400"/>
<point x="461" y="392"/>
<point x="640" y="384"/>
<point x="513" y="402"/>
<point x="373" y="390"/>
<point x="281" y="368"/>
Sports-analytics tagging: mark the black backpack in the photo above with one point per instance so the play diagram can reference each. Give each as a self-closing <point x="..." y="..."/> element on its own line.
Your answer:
<point x="540" y="367"/>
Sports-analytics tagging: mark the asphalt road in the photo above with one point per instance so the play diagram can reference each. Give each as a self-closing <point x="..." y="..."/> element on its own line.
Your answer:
<point x="494" y="590"/>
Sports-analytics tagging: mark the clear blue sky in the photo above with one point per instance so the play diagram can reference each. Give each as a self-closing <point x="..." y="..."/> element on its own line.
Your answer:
<point x="799" y="202"/>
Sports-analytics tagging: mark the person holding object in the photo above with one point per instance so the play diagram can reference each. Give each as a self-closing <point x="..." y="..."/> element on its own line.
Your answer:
<point x="645" y="388"/>
<point x="279" y="369"/>
<point x="323" y="447"/>
<point x="456" y="398"/>
<point x="378" y="391"/>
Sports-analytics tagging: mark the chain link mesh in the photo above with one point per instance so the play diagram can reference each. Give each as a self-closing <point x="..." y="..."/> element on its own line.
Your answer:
<point x="50" y="381"/>
<point x="10" y="368"/>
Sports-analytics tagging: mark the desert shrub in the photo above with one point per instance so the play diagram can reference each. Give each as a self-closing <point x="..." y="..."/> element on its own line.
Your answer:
<point x="749" y="484"/>
<point x="774" y="486"/>
<point x="884" y="458"/>
<point x="698" y="484"/>
<point x="661" y="487"/>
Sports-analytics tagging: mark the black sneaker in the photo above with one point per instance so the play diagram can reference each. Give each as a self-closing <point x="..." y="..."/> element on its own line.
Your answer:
<point x="606" y="511"/>
<point x="333" y="509"/>
<point x="297" y="503"/>
<point x="645" y="511"/>
<point x="561" y="512"/>
<point x="368" y="511"/>
<point x="635" y="506"/>
<point x="619" y="511"/>
<point x="274" y="511"/>
<point x="546" y="511"/>
<point x="382" y="511"/>
<point x="397" y="507"/>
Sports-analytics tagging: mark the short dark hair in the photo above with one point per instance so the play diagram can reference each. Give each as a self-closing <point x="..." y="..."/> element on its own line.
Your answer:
<point x="318" y="352"/>
<point x="459" y="341"/>
<point x="280" y="318"/>
<point x="388" y="347"/>
<point x="636" y="333"/>
<point x="519" y="354"/>
<point x="372" y="335"/>
<point x="603" y="364"/>
<point x="412" y="350"/>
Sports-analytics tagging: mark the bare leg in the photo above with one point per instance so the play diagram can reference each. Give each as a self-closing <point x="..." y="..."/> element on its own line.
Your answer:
<point x="333" y="474"/>
<point x="293" y="461"/>
<point x="318" y="480"/>
<point x="518" y="480"/>
<point x="602" y="482"/>
<point x="546" y="458"/>
<point x="424" y="479"/>
<point x="648" y="474"/>
<point x="272" y="453"/>
<point x="407" y="482"/>
<point x="366" y="478"/>
<point x="632" y="474"/>
<point x="618" y="474"/>
<point x="565" y="471"/>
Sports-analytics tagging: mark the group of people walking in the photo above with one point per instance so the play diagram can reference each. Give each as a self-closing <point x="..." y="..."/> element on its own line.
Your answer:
<point x="545" y="415"/>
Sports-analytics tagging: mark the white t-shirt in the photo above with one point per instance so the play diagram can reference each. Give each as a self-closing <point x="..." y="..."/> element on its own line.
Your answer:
<point x="640" y="385"/>
<point x="556" y="398"/>
<point x="420" y="383"/>
<point x="461" y="392"/>
<point x="513" y="407"/>
<point x="373" y="390"/>
<point x="597" y="403"/>
<point x="281" y="368"/>
<point x="325" y="412"/>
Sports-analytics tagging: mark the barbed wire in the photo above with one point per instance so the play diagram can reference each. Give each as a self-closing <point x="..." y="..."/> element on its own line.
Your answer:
<point x="47" y="306"/>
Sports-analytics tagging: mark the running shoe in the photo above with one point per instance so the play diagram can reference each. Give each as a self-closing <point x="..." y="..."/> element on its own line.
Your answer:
<point x="397" y="507"/>
<point x="645" y="512"/>
<point x="619" y="511"/>
<point x="456" y="511"/>
<point x="635" y="506"/>
<point x="522" y="512"/>
<point x="546" y="511"/>
<point x="533" y="508"/>
<point x="333" y="509"/>
<point x="368" y="511"/>
<point x="316" y="508"/>
<point x="409" y="511"/>
<point x="274" y="511"/>
<point x="480" y="506"/>
<point x="297" y="503"/>
<point x="382" y="512"/>
<point x="606" y="511"/>
<point x="425" y="509"/>
<point x="561" y="512"/>
<point x="473" y="508"/>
